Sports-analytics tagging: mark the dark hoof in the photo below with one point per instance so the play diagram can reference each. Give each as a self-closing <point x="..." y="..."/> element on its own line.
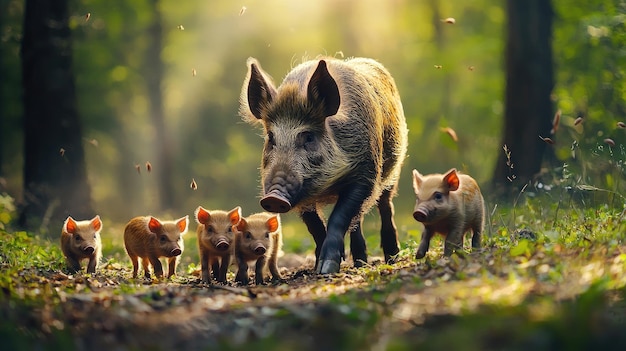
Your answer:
<point x="328" y="267"/>
<point x="275" y="202"/>
<point x="419" y="255"/>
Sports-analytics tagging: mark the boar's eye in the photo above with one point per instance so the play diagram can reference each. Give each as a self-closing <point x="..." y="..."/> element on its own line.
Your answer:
<point x="270" y="140"/>
<point x="78" y="238"/>
<point x="163" y="239"/>
<point x="438" y="196"/>
<point x="307" y="140"/>
<point x="210" y="229"/>
<point x="267" y="235"/>
<point x="248" y="235"/>
<point x="230" y="229"/>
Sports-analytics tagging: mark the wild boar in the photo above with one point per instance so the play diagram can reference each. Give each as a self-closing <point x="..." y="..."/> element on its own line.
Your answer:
<point x="216" y="241"/>
<point x="149" y="239"/>
<point x="258" y="238"/>
<point x="335" y="133"/>
<point x="81" y="240"/>
<point x="449" y="204"/>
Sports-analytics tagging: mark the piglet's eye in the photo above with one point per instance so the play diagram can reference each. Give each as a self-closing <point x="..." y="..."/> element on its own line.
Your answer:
<point x="248" y="235"/>
<point x="163" y="238"/>
<point x="438" y="196"/>
<point x="267" y="235"/>
<point x="78" y="238"/>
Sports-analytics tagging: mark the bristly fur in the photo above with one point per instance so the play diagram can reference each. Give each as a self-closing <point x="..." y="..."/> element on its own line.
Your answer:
<point x="364" y="141"/>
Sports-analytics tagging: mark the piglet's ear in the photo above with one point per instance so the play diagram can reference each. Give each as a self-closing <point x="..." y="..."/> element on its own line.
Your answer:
<point x="96" y="223"/>
<point x="322" y="90"/>
<point x="154" y="225"/>
<point x="202" y="216"/>
<point x="451" y="180"/>
<point x="417" y="181"/>
<point x="70" y="225"/>
<point x="182" y="223"/>
<point x="241" y="226"/>
<point x="272" y="224"/>
<point x="235" y="215"/>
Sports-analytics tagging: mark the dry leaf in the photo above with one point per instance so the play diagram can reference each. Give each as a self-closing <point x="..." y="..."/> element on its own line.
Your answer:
<point x="451" y="133"/>
<point x="180" y="27"/>
<point x="578" y="121"/>
<point x="193" y="72"/>
<point x="242" y="11"/>
<point x="555" y="122"/>
<point x="450" y="20"/>
<point x="62" y="152"/>
<point x="193" y="184"/>
<point x="609" y="142"/>
<point x="138" y="168"/>
<point x="148" y="166"/>
<point x="438" y="66"/>
<point x="621" y="124"/>
<point x="547" y="140"/>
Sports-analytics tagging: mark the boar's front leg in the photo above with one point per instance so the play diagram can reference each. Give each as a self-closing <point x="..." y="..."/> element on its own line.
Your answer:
<point x="357" y="245"/>
<point x="317" y="228"/>
<point x="348" y="206"/>
<point x="223" y="268"/>
<point x="388" y="231"/>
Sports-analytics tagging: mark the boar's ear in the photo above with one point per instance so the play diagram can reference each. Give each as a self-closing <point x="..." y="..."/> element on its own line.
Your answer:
<point x="417" y="181"/>
<point x="234" y="215"/>
<point x="181" y="224"/>
<point x="154" y="225"/>
<point x="70" y="225"/>
<point x="96" y="223"/>
<point x="202" y="216"/>
<point x="272" y="224"/>
<point x="451" y="180"/>
<point x="260" y="91"/>
<point x="323" y="90"/>
<point x="241" y="226"/>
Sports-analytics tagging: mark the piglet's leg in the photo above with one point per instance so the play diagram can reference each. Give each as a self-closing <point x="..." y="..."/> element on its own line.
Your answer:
<point x="171" y="266"/>
<point x="427" y="234"/>
<point x="259" y="271"/>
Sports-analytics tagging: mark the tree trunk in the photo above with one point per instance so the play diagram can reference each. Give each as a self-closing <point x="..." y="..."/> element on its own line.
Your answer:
<point x="55" y="178"/>
<point x="154" y="76"/>
<point x="529" y="82"/>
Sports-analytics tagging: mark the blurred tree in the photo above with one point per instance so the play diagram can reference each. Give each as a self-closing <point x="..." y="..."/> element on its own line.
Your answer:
<point x="529" y="83"/>
<point x="55" y="179"/>
<point x="154" y="70"/>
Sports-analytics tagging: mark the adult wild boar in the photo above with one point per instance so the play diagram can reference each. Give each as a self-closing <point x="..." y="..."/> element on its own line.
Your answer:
<point x="334" y="133"/>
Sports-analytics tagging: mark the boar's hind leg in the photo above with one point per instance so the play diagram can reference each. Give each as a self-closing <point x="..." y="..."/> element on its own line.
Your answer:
<point x="388" y="231"/>
<point x="357" y="245"/>
<point x="317" y="228"/>
<point x="348" y="206"/>
<point x="73" y="265"/>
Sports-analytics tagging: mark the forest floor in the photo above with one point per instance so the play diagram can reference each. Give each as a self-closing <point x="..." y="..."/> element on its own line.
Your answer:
<point x="527" y="296"/>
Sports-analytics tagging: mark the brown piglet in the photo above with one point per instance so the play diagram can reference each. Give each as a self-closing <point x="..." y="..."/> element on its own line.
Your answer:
<point x="216" y="241"/>
<point x="149" y="239"/>
<point x="258" y="238"/>
<point x="449" y="204"/>
<point x="81" y="240"/>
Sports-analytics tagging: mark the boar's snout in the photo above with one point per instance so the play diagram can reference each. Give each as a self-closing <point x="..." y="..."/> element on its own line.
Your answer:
<point x="176" y="252"/>
<point x="275" y="202"/>
<point x="420" y="215"/>
<point x="259" y="249"/>
<point x="222" y="245"/>
<point x="89" y="250"/>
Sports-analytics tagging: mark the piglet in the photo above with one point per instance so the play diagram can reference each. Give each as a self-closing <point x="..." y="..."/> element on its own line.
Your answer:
<point x="149" y="238"/>
<point x="449" y="204"/>
<point x="81" y="240"/>
<point x="258" y="239"/>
